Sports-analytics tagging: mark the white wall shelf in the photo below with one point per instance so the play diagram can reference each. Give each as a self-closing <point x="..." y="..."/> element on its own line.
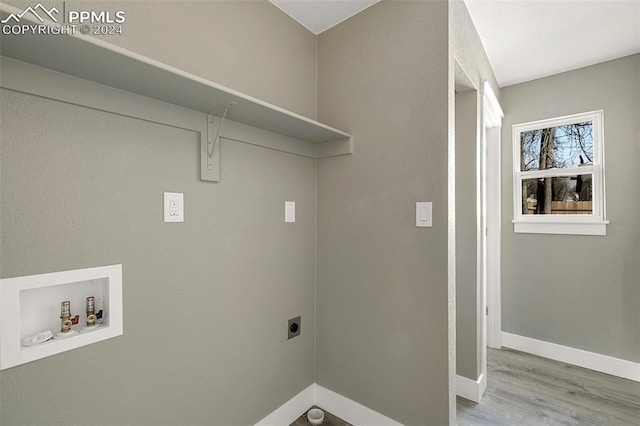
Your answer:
<point x="31" y="304"/>
<point x="101" y="62"/>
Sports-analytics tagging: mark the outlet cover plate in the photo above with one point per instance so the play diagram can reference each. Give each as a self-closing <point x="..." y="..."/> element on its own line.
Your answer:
<point x="289" y="211"/>
<point x="294" y="326"/>
<point x="173" y="207"/>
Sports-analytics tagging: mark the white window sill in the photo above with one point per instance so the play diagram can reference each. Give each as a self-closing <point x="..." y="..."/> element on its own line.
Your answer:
<point x="596" y="227"/>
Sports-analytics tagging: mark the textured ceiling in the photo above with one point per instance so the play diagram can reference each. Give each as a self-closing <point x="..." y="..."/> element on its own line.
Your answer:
<point x="320" y="15"/>
<point x="524" y="39"/>
<point x="529" y="39"/>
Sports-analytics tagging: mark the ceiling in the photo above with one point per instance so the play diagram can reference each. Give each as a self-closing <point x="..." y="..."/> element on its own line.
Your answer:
<point x="529" y="39"/>
<point x="320" y="15"/>
<point x="524" y="39"/>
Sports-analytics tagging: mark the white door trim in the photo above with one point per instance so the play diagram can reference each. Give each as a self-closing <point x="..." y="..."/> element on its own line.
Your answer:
<point x="469" y="389"/>
<point x="491" y="123"/>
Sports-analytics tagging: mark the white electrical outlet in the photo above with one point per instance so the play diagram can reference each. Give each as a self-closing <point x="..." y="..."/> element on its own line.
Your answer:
<point x="173" y="207"/>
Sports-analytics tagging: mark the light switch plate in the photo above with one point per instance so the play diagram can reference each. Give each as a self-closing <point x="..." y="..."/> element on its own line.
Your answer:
<point x="289" y="211"/>
<point x="173" y="207"/>
<point x="423" y="214"/>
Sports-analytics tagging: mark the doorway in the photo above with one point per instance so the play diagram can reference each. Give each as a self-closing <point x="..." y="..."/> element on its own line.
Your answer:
<point x="477" y="134"/>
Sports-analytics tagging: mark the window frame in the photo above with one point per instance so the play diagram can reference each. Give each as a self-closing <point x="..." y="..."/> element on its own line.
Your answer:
<point x="594" y="224"/>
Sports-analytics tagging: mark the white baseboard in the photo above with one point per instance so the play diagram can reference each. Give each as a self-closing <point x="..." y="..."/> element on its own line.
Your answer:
<point x="349" y="410"/>
<point x="292" y="409"/>
<point x="471" y="389"/>
<point x="338" y="405"/>
<point x="603" y="363"/>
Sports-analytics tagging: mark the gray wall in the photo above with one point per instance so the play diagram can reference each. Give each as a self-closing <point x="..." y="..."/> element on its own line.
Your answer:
<point x="579" y="291"/>
<point x="205" y="302"/>
<point x="382" y="283"/>
<point x="474" y="68"/>
<point x="382" y="293"/>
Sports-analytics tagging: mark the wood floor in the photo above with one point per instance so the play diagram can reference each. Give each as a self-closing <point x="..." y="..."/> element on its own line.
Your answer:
<point x="524" y="389"/>
<point x="527" y="390"/>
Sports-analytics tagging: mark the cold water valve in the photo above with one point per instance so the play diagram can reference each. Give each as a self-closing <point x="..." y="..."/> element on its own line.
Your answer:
<point x="91" y="309"/>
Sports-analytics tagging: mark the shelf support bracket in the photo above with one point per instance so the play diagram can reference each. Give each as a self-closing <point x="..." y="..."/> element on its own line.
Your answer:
<point x="210" y="153"/>
<point x="211" y="141"/>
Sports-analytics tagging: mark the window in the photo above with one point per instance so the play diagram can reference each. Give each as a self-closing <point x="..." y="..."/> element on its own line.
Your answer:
<point x="559" y="176"/>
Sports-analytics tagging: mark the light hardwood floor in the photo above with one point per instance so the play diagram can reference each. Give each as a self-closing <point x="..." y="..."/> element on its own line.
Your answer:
<point x="524" y="389"/>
